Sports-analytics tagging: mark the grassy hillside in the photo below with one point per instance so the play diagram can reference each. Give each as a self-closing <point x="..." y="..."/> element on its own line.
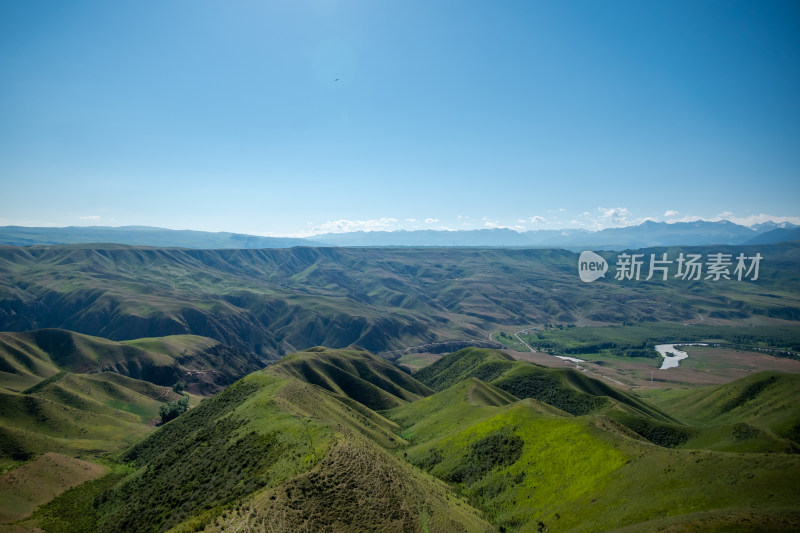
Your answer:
<point x="692" y="422"/>
<point x="357" y="374"/>
<point x="530" y="467"/>
<point x="273" y="302"/>
<point x="39" y="481"/>
<point x="564" y="389"/>
<point x="202" y="363"/>
<point x="760" y="410"/>
<point x="276" y="452"/>
<point x="78" y="415"/>
<point x="74" y="394"/>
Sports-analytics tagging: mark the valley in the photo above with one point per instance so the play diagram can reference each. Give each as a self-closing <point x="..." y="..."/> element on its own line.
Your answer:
<point x="390" y="390"/>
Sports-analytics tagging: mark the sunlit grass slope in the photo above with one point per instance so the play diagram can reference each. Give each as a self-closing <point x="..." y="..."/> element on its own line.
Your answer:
<point x="71" y="393"/>
<point x="366" y="378"/>
<point x="565" y="389"/>
<point x="531" y="467"/>
<point x="38" y="481"/>
<point x="78" y="414"/>
<point x="759" y="412"/>
<point x="277" y="453"/>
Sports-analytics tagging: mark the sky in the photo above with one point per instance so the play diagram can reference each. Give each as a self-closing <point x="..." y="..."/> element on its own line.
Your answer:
<point x="292" y="118"/>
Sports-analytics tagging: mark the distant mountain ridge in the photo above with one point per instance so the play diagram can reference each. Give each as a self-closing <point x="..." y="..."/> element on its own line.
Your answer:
<point x="646" y="234"/>
<point x="141" y="236"/>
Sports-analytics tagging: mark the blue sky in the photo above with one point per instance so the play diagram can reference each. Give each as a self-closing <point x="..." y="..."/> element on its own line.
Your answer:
<point x="228" y="116"/>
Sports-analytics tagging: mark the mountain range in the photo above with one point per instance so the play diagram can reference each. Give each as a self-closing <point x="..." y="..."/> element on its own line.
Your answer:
<point x="647" y="234"/>
<point x="387" y="300"/>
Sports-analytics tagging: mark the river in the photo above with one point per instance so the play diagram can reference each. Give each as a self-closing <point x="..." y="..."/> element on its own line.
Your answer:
<point x="676" y="356"/>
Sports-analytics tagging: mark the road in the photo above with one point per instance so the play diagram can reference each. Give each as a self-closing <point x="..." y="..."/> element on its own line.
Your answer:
<point x="528" y="346"/>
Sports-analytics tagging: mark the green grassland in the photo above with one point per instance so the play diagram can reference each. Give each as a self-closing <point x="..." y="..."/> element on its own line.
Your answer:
<point x="567" y="390"/>
<point x="292" y="447"/>
<point x="595" y="453"/>
<point x="83" y="396"/>
<point x="39" y="481"/>
<point x="341" y="439"/>
<point x="759" y="408"/>
<point x="80" y="415"/>
<point x="638" y="340"/>
<point x="370" y="380"/>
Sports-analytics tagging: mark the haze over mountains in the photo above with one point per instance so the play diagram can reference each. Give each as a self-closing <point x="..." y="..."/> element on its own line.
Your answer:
<point x="648" y="233"/>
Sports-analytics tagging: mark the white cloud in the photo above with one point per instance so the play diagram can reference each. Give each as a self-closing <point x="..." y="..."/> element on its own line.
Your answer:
<point x="494" y="224"/>
<point x="615" y="215"/>
<point x="346" y="226"/>
<point x="411" y="220"/>
<point x="431" y="220"/>
<point x="671" y="213"/>
<point x="536" y="219"/>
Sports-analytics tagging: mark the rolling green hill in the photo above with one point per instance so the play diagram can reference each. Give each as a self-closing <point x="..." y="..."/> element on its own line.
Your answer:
<point x="758" y="411"/>
<point x="357" y="374"/>
<point x="565" y="389"/>
<point x="204" y="364"/>
<point x="65" y="392"/>
<point x="690" y="422"/>
<point x="79" y="415"/>
<point x="276" y="452"/>
<point x="273" y="302"/>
